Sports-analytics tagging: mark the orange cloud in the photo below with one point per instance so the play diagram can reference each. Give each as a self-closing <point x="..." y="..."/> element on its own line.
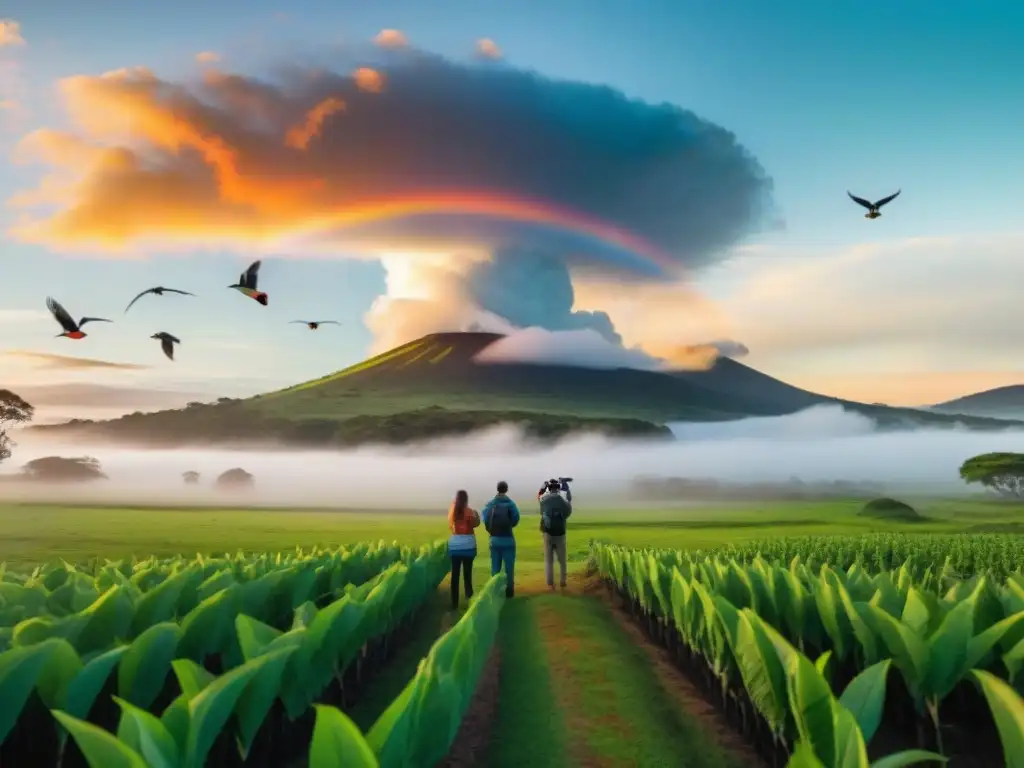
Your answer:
<point x="8" y="105"/>
<point x="488" y="49"/>
<point x="299" y="136"/>
<point x="10" y="33"/>
<point x="207" y="57"/>
<point x="65" y="362"/>
<point x="369" y="80"/>
<point x="391" y="38"/>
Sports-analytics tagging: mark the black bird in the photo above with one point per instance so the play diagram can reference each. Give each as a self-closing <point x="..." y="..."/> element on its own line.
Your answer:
<point x="167" y="343"/>
<point x="72" y="330"/>
<point x="873" y="207"/>
<point x="158" y="291"/>
<point x="247" y="283"/>
<point x="314" y="324"/>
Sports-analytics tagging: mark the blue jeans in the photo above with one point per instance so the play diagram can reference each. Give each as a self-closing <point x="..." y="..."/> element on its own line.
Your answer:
<point x="505" y="555"/>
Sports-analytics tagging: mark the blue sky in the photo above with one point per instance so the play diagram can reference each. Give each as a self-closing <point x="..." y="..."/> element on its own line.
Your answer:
<point x="828" y="96"/>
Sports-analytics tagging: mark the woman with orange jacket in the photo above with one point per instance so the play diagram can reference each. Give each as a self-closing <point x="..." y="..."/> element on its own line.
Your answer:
<point x="462" y="519"/>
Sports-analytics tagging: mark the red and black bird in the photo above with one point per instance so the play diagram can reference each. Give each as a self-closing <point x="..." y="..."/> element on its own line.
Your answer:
<point x="247" y="283"/>
<point x="167" y="343"/>
<point x="158" y="291"/>
<point x="314" y="324"/>
<point x="72" y="330"/>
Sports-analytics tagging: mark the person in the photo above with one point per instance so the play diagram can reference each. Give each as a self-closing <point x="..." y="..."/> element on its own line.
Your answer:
<point x="500" y="516"/>
<point x="462" y="519"/>
<point x="554" y="512"/>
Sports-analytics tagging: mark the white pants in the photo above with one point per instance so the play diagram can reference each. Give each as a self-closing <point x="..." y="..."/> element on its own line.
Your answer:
<point x="554" y="545"/>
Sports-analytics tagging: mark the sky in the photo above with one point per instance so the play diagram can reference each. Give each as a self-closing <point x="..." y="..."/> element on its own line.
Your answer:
<point x="727" y="225"/>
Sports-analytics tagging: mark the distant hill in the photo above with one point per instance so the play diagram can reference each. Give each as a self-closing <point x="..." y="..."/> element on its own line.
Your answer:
<point x="998" y="403"/>
<point x="433" y="386"/>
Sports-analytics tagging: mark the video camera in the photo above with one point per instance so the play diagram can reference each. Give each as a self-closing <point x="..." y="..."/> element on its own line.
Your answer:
<point x="555" y="485"/>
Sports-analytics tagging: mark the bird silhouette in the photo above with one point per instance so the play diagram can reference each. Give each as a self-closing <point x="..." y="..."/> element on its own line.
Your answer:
<point x="247" y="283"/>
<point x="167" y="343"/>
<point x="72" y="330"/>
<point x="873" y="207"/>
<point x="158" y="291"/>
<point x="314" y="324"/>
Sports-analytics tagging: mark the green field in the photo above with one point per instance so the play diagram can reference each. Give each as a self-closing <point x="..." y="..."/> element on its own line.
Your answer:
<point x="554" y="697"/>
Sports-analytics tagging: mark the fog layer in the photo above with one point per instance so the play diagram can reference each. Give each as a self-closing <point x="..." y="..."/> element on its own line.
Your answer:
<point x="823" y="443"/>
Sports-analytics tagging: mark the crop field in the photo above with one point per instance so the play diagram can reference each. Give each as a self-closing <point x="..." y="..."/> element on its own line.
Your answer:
<point x="798" y="635"/>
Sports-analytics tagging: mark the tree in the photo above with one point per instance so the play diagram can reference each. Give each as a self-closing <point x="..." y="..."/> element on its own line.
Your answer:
<point x="58" y="469"/>
<point x="13" y="410"/>
<point x="1002" y="472"/>
<point x="191" y="477"/>
<point x="236" y="478"/>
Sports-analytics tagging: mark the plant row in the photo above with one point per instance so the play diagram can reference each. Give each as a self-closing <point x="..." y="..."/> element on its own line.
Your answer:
<point x="418" y="727"/>
<point x="747" y="632"/>
<point x="120" y="600"/>
<point x="274" y="673"/>
<point x="958" y="555"/>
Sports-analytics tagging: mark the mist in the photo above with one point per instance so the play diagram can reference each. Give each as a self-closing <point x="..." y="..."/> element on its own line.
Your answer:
<point x="823" y="443"/>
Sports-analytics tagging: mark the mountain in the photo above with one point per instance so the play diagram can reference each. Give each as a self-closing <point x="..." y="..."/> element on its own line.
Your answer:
<point x="998" y="403"/>
<point x="433" y="386"/>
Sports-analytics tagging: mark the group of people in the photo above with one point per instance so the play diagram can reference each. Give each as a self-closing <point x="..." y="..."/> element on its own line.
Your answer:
<point x="499" y="517"/>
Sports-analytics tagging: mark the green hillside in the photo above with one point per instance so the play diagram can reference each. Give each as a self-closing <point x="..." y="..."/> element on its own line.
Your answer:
<point x="433" y="386"/>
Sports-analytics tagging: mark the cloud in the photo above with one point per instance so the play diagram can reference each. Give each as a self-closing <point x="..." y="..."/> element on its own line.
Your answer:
<point x="582" y="349"/>
<point x="22" y="316"/>
<point x="487" y="49"/>
<point x="87" y="395"/>
<point x="207" y="57"/>
<point x="8" y="104"/>
<point x="391" y="38"/>
<point x="10" y="33"/>
<point x="64" y="362"/>
<point x="702" y="356"/>
<point x="525" y="183"/>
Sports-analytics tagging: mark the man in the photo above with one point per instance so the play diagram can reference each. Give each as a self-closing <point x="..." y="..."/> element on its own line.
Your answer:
<point x="554" y="511"/>
<point x="500" y="516"/>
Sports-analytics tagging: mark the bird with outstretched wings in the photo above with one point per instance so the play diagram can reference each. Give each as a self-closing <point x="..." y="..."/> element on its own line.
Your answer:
<point x="158" y="291"/>
<point x="71" y="328"/>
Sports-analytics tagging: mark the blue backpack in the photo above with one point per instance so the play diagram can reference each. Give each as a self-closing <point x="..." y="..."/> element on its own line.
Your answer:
<point x="499" y="523"/>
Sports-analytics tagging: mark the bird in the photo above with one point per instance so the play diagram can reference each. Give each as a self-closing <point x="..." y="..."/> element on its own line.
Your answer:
<point x="314" y="324"/>
<point x="72" y="330"/>
<point x="247" y="283"/>
<point x="167" y="343"/>
<point x="873" y="207"/>
<point x="158" y="291"/>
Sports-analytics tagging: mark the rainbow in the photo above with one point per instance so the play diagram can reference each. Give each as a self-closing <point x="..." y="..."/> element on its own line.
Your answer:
<point x="496" y="206"/>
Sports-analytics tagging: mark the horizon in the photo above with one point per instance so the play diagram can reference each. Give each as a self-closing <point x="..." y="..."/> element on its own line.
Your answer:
<point x="744" y="241"/>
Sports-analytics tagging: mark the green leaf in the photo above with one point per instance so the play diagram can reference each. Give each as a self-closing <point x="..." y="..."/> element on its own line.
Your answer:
<point x="192" y="678"/>
<point x="947" y="650"/>
<point x="908" y="649"/>
<point x="338" y="743"/>
<point x="87" y="684"/>
<point x="811" y="703"/>
<point x="803" y="757"/>
<point x="19" y="670"/>
<point x="908" y="757"/>
<point x="864" y="697"/>
<point x="142" y="673"/>
<point x="147" y="736"/>
<point x="101" y="749"/>
<point x="211" y="708"/>
<point x="1008" y="712"/>
<point x="259" y="696"/>
<point x="851" y="752"/>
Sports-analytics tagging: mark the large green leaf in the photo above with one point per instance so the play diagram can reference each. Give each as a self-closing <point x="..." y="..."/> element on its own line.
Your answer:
<point x="101" y="749"/>
<point x="142" y="673"/>
<point x="1008" y="711"/>
<point x="338" y="743"/>
<point x="811" y="703"/>
<point x="909" y="757"/>
<point x="83" y="689"/>
<point x="259" y="696"/>
<point x="947" y="651"/>
<point x="19" y="670"/>
<point x="147" y="736"/>
<point x="864" y="697"/>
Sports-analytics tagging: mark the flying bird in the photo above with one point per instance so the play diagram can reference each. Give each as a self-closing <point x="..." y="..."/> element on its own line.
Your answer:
<point x="158" y="291"/>
<point x="873" y="207"/>
<point x="247" y="283"/>
<point x="72" y="330"/>
<point x="167" y="343"/>
<point x="314" y="324"/>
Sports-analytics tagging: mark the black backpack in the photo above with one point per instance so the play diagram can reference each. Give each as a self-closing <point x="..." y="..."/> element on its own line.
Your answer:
<point x="553" y="516"/>
<point x="500" y="521"/>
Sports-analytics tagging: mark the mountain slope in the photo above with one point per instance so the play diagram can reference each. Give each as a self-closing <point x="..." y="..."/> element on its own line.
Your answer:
<point x="433" y="386"/>
<point x="1000" y="403"/>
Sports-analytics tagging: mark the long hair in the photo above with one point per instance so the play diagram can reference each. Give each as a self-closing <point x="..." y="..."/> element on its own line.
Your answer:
<point x="461" y="502"/>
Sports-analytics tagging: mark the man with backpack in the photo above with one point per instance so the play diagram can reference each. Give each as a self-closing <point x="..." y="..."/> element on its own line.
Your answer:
<point x="554" y="511"/>
<point x="499" y="517"/>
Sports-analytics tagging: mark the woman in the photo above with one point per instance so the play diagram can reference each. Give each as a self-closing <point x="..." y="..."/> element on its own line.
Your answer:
<point x="462" y="543"/>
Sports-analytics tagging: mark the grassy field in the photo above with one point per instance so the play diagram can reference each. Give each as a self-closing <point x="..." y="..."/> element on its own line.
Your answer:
<point x="36" y="533"/>
<point x="558" y="701"/>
